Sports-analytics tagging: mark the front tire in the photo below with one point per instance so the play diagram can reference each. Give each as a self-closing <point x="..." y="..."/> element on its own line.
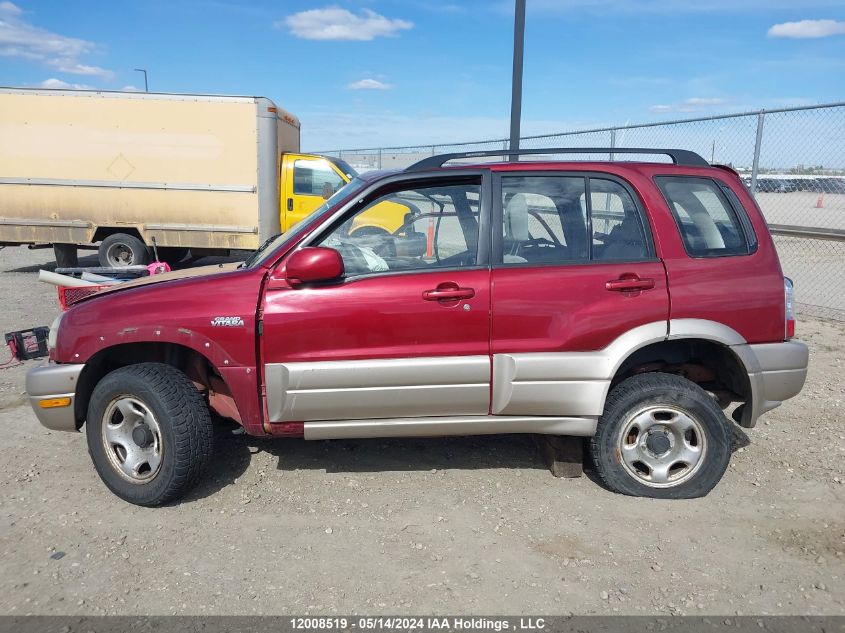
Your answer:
<point x="661" y="436"/>
<point x="149" y="433"/>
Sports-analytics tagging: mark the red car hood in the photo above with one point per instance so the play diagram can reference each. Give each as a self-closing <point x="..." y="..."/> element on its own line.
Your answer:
<point x="186" y="273"/>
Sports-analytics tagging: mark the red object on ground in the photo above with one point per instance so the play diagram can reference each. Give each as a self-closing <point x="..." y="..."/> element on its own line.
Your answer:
<point x="68" y="295"/>
<point x="820" y="202"/>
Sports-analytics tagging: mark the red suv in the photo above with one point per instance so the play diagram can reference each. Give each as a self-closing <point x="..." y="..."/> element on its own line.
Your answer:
<point x="631" y="303"/>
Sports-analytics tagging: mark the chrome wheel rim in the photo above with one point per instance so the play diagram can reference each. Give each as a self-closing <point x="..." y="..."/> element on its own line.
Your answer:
<point x="662" y="446"/>
<point x="132" y="439"/>
<point x="119" y="255"/>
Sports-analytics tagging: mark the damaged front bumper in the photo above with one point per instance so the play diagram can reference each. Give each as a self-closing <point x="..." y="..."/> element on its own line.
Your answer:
<point x="52" y="394"/>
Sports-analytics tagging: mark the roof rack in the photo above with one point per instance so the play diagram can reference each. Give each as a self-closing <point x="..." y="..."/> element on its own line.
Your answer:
<point x="678" y="156"/>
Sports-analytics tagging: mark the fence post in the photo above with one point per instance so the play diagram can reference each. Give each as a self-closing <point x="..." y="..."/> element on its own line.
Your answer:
<point x="612" y="143"/>
<point x="379" y="158"/>
<point x="755" y="167"/>
<point x="433" y="147"/>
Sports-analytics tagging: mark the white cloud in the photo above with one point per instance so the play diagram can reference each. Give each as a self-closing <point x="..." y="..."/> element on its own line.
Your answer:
<point x="369" y="84"/>
<point x="19" y="38"/>
<point x="693" y="104"/>
<point x="9" y="9"/>
<point x="59" y="84"/>
<point x="130" y="89"/>
<point x="807" y="29"/>
<point x="334" y="23"/>
<point x="702" y="101"/>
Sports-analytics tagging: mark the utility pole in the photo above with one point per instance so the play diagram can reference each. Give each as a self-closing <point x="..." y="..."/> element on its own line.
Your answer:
<point x="516" y="85"/>
<point x="146" y="85"/>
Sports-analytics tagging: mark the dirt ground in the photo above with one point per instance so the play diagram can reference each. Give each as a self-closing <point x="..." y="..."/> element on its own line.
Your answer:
<point x="460" y="525"/>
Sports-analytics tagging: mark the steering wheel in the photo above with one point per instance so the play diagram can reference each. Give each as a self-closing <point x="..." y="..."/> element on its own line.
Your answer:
<point x="537" y="242"/>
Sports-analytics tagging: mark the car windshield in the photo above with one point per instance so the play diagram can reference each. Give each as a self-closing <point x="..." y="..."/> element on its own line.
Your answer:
<point x="277" y="241"/>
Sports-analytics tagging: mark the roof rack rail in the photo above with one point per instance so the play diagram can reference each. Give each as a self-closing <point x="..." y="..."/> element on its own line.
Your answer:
<point x="678" y="156"/>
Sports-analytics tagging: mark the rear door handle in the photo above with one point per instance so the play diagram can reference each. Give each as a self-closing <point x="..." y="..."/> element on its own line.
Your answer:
<point x="450" y="293"/>
<point x="628" y="284"/>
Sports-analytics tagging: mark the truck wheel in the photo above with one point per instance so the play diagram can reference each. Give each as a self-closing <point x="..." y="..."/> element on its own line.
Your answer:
<point x="661" y="436"/>
<point x="149" y="433"/>
<point x="119" y="250"/>
<point x="66" y="256"/>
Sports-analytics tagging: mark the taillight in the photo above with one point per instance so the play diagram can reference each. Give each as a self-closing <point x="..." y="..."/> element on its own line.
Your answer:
<point x="789" y="307"/>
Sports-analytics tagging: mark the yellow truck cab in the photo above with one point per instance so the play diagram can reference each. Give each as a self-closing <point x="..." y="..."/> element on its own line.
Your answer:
<point x="308" y="180"/>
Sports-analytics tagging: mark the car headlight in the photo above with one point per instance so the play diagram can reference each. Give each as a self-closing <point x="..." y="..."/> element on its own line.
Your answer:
<point x="54" y="332"/>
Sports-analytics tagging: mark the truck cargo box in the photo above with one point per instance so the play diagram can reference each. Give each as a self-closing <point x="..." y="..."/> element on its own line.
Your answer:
<point x="197" y="171"/>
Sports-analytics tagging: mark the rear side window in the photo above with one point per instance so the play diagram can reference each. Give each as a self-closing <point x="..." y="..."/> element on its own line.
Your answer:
<point x="568" y="219"/>
<point x="710" y="225"/>
<point x="617" y="230"/>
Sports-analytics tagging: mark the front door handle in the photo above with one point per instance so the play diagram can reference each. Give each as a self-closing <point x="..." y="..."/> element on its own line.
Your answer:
<point x="628" y="284"/>
<point x="448" y="292"/>
<point x="290" y="204"/>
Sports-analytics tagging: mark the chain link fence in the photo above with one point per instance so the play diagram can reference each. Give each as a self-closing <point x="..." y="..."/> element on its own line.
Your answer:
<point x="793" y="159"/>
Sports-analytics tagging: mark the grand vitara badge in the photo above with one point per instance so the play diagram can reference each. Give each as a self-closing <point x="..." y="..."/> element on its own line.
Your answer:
<point x="227" y="321"/>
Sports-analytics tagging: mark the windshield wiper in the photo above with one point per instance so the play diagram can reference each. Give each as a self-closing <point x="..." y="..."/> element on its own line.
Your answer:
<point x="249" y="260"/>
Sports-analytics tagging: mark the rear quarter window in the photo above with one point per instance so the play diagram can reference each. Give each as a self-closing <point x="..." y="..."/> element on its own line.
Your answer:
<point x="709" y="216"/>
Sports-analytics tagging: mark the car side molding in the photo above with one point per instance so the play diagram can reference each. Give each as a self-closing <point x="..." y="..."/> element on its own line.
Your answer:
<point x="443" y="426"/>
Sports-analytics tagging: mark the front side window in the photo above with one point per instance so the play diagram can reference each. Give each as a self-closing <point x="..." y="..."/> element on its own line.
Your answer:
<point x="315" y="178"/>
<point x="550" y="220"/>
<point x="708" y="223"/>
<point x="439" y="229"/>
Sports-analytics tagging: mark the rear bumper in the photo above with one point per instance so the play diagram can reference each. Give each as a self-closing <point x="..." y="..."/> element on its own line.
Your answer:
<point x="50" y="382"/>
<point x="776" y="372"/>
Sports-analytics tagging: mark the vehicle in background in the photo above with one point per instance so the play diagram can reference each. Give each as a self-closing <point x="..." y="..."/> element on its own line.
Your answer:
<point x="830" y="185"/>
<point x="789" y="184"/>
<point x="125" y="170"/>
<point x="515" y="297"/>
<point x="775" y="185"/>
<point x="308" y="180"/>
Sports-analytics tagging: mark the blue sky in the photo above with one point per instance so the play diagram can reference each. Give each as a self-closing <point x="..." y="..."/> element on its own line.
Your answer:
<point x="381" y="72"/>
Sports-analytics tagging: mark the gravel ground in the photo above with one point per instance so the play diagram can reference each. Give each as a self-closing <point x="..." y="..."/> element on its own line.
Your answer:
<point x="459" y="525"/>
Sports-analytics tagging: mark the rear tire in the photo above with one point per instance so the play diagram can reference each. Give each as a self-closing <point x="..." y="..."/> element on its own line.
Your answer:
<point x="119" y="250"/>
<point x="149" y="433"/>
<point x="66" y="255"/>
<point x="661" y="436"/>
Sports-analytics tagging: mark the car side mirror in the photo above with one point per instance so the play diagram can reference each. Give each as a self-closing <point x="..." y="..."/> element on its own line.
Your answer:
<point x="314" y="264"/>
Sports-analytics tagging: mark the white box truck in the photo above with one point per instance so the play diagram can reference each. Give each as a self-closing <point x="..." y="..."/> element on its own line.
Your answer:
<point x="121" y="169"/>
